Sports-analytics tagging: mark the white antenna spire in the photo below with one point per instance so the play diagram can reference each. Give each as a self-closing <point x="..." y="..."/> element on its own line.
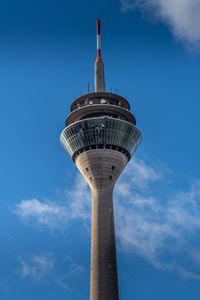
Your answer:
<point x="99" y="80"/>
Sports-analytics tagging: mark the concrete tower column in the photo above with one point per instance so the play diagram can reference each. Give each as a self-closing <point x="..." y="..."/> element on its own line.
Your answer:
<point x="103" y="277"/>
<point x="101" y="168"/>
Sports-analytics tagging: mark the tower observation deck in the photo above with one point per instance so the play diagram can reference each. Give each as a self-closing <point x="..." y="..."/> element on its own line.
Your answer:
<point x="101" y="136"/>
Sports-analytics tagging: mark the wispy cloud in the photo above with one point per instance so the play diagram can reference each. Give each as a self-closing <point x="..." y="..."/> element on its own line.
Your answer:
<point x="156" y="227"/>
<point x="150" y="223"/>
<point x="187" y="275"/>
<point x="63" y="284"/>
<point x="141" y="174"/>
<point x="76" y="204"/>
<point x="195" y="254"/>
<point x="73" y="266"/>
<point x="182" y="16"/>
<point x="36" y="266"/>
<point x="46" y="213"/>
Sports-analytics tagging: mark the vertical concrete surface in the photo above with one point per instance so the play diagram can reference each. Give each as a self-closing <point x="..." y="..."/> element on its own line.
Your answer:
<point x="101" y="168"/>
<point x="103" y="278"/>
<point x="99" y="81"/>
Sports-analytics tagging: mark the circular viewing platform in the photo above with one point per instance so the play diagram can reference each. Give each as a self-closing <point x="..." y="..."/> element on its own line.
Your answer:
<point x="100" y="98"/>
<point x="99" y="133"/>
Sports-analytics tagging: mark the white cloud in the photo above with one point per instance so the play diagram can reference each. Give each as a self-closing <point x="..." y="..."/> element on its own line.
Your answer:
<point x="157" y="224"/>
<point x="76" y="204"/>
<point x="182" y="16"/>
<point x="36" y="266"/>
<point x="195" y="254"/>
<point x="63" y="284"/>
<point x="80" y="199"/>
<point x="141" y="174"/>
<point x="46" y="213"/>
<point x="74" y="267"/>
<point x="187" y="275"/>
<point x="153" y="226"/>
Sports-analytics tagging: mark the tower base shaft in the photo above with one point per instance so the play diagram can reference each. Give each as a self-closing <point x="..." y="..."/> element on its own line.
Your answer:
<point x="103" y="277"/>
<point x="101" y="169"/>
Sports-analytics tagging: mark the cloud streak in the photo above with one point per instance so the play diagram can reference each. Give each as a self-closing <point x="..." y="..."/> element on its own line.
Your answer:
<point x="148" y="224"/>
<point x="39" y="267"/>
<point x="156" y="228"/>
<point x="182" y="16"/>
<point x="36" y="266"/>
<point x="76" y="204"/>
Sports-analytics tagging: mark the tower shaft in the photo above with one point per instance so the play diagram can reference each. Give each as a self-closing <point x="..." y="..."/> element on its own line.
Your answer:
<point x="101" y="168"/>
<point x="103" y="276"/>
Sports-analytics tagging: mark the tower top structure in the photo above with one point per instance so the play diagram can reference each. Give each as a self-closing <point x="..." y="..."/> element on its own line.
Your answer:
<point x="99" y="80"/>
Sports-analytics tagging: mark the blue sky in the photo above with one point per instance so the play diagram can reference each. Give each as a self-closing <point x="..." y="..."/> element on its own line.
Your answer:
<point x="151" y="55"/>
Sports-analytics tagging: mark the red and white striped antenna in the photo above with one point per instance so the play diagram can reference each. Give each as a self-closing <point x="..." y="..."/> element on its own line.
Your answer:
<point x="99" y="40"/>
<point x="99" y="79"/>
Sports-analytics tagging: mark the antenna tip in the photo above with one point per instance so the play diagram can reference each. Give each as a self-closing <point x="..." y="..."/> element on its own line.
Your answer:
<point x="98" y="27"/>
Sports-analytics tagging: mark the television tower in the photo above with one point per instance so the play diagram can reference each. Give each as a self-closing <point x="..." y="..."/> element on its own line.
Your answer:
<point x="101" y="136"/>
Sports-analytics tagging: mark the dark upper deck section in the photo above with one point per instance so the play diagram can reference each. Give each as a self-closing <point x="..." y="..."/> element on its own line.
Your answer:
<point x="100" y="98"/>
<point x="99" y="110"/>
